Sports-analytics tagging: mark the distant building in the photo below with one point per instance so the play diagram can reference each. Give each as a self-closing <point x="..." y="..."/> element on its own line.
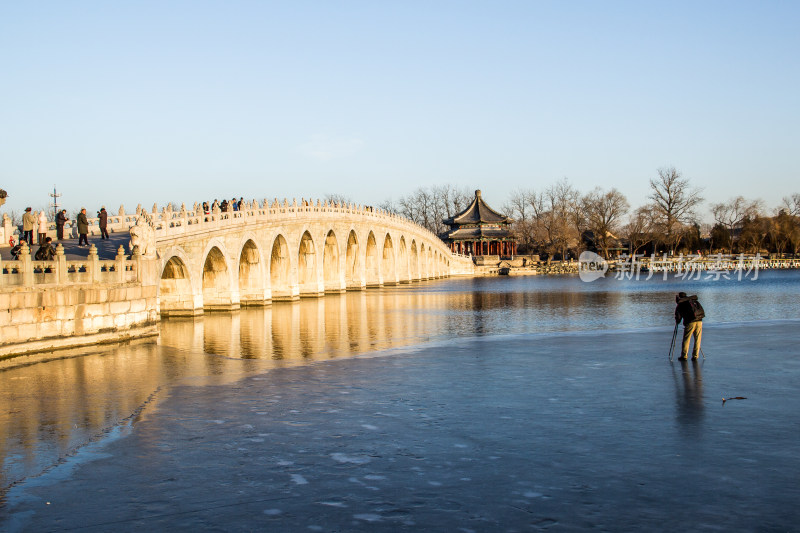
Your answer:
<point x="480" y="230"/>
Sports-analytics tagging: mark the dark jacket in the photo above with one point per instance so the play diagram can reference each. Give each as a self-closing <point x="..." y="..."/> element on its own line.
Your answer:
<point x="683" y="311"/>
<point x="61" y="219"/>
<point x="46" y="252"/>
<point x="83" y="224"/>
<point x="103" y="216"/>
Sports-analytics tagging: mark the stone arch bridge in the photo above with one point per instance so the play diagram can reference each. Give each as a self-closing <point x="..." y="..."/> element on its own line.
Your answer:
<point x="260" y="254"/>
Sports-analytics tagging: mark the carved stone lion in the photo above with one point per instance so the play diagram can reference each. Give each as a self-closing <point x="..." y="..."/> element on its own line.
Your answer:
<point x="143" y="238"/>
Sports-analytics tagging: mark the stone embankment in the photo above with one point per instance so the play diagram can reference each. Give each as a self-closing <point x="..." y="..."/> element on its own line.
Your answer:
<point x="490" y="265"/>
<point x="46" y="305"/>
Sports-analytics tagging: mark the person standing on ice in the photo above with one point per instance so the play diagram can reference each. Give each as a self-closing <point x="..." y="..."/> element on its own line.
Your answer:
<point x="689" y="310"/>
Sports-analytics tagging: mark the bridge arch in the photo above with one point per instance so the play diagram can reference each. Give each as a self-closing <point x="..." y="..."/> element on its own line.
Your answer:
<point x="253" y="288"/>
<point x="307" y="277"/>
<point x="353" y="276"/>
<point x="413" y="261"/>
<point x="280" y="270"/>
<point x="403" y="273"/>
<point x="218" y="291"/>
<point x="178" y="288"/>
<point x="423" y="261"/>
<point x="331" y="264"/>
<point x="388" y="263"/>
<point x="372" y="273"/>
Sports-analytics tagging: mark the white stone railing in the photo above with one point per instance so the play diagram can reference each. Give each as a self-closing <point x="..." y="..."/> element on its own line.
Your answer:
<point x="169" y="223"/>
<point x="26" y="272"/>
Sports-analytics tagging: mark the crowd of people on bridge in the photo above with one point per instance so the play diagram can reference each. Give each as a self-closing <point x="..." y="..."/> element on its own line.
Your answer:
<point x="32" y="221"/>
<point x="224" y="205"/>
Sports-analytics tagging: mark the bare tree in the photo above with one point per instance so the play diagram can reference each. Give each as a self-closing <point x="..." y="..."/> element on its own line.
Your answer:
<point x="557" y="220"/>
<point x="603" y="211"/>
<point x="734" y="212"/>
<point x="639" y="229"/>
<point x="794" y="238"/>
<point x="336" y="198"/>
<point x="792" y="204"/>
<point x="754" y="232"/>
<point x="390" y="206"/>
<point x="429" y="207"/>
<point x="780" y="230"/>
<point x="674" y="202"/>
<point x="453" y="199"/>
<point x="519" y="208"/>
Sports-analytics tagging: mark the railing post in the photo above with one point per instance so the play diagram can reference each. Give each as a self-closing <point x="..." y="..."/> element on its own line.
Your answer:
<point x="25" y="265"/>
<point x="7" y="228"/>
<point x="61" y="265"/>
<point x="136" y="256"/>
<point x="93" y="265"/>
<point x="2" y="277"/>
<point x="120" y="266"/>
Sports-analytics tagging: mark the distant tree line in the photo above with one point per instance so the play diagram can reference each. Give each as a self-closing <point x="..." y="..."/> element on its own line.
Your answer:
<point x="559" y="221"/>
<point x="429" y="206"/>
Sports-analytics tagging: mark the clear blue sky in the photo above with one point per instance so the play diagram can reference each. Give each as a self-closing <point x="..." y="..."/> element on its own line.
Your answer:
<point x="184" y="101"/>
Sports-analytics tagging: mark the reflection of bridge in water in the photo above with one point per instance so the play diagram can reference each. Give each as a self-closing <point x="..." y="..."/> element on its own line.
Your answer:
<point x="50" y="398"/>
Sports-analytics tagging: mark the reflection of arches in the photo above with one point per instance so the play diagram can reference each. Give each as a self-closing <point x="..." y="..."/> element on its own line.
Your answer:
<point x="251" y="275"/>
<point x="176" y="297"/>
<point x="352" y="274"/>
<point x="216" y="282"/>
<point x="330" y="264"/>
<point x="403" y="274"/>
<point x="372" y="273"/>
<point x="388" y="270"/>
<point x="414" y="266"/>
<point x="280" y="270"/>
<point x="307" y="267"/>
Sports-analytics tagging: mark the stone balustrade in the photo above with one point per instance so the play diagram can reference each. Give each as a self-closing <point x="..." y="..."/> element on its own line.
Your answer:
<point x="46" y="305"/>
<point x="26" y="272"/>
<point x="169" y="222"/>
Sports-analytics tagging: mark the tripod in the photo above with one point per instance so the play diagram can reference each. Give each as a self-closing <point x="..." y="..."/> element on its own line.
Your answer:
<point x="672" y="344"/>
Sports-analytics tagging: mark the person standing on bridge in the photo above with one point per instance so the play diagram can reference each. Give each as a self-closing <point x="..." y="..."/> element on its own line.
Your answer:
<point x="61" y="219"/>
<point x="83" y="228"/>
<point x="42" y="228"/>
<point x="103" y="216"/>
<point x="28" y="222"/>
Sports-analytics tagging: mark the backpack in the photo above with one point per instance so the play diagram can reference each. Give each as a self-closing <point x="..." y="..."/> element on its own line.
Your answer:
<point x="696" y="310"/>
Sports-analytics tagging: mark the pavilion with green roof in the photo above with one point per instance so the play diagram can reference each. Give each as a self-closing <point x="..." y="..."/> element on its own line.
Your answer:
<point x="480" y="230"/>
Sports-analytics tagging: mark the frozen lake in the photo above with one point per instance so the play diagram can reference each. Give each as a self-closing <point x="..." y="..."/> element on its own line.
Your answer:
<point x="482" y="404"/>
